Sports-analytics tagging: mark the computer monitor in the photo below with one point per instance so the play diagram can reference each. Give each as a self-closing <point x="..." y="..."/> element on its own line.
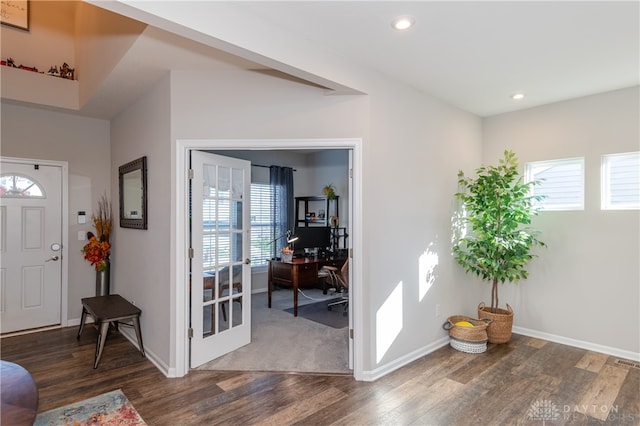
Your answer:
<point x="310" y="237"/>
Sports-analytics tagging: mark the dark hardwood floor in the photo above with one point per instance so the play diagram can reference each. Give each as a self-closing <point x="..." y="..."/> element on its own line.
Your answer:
<point x="525" y="382"/>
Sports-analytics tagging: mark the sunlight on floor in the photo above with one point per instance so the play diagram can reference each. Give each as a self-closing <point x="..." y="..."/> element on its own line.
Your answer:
<point x="388" y="322"/>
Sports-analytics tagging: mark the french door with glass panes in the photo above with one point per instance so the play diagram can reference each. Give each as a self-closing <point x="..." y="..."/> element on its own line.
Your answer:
<point x="220" y="265"/>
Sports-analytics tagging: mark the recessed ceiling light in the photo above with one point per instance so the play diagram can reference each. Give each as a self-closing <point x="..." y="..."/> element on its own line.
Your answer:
<point x="517" y="96"/>
<point x="402" y="23"/>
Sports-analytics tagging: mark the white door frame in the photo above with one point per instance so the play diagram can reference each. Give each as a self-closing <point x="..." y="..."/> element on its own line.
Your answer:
<point x="180" y="237"/>
<point x="64" y="296"/>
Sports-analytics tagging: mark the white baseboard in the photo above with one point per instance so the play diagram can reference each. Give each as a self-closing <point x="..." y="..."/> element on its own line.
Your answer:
<point x="402" y="361"/>
<point x="150" y="355"/>
<point x="372" y="375"/>
<point x="620" y="353"/>
<point x="75" y="322"/>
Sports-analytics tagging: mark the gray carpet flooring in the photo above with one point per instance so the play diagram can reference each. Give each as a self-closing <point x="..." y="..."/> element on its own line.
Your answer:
<point x="282" y="342"/>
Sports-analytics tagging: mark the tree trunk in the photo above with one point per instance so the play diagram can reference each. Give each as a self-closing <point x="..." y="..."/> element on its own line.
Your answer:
<point x="494" y="294"/>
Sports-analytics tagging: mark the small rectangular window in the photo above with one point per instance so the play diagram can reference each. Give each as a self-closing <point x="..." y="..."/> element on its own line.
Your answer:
<point x="261" y="224"/>
<point x="561" y="181"/>
<point x="620" y="174"/>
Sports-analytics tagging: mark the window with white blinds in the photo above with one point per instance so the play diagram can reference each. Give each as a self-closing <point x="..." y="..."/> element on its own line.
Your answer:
<point x="261" y="223"/>
<point x="620" y="175"/>
<point x="561" y="181"/>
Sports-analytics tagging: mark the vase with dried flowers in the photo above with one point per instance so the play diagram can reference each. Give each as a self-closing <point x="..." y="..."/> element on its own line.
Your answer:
<point x="98" y="249"/>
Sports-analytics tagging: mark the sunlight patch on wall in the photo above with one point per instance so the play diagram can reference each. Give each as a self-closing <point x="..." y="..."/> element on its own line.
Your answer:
<point x="426" y="266"/>
<point x="459" y="224"/>
<point x="388" y="322"/>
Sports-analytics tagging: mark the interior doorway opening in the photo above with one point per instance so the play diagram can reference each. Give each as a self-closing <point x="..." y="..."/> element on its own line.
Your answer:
<point x="350" y="146"/>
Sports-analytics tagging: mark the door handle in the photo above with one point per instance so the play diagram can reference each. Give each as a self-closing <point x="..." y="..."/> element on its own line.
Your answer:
<point x="247" y="261"/>
<point x="54" y="258"/>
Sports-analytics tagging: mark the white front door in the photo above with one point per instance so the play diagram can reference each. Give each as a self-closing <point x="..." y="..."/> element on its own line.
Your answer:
<point x="30" y="245"/>
<point x="220" y="265"/>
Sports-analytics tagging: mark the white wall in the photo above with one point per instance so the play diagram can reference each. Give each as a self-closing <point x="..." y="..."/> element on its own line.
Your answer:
<point x="331" y="167"/>
<point x="411" y="159"/>
<point x="84" y="144"/>
<point x="583" y="288"/>
<point x="141" y="265"/>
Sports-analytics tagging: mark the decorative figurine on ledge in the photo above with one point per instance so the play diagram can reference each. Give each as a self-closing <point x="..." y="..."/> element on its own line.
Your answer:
<point x="66" y="71"/>
<point x="53" y="71"/>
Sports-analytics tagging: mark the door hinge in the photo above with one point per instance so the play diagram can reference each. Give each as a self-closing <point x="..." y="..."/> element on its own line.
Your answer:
<point x="351" y="333"/>
<point x="351" y="173"/>
<point x="350" y="253"/>
<point x="190" y="174"/>
<point x="191" y="255"/>
<point x="190" y="333"/>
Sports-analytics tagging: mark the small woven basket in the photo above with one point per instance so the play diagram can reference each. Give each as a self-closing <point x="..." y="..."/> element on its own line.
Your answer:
<point x="468" y="347"/>
<point x="477" y="333"/>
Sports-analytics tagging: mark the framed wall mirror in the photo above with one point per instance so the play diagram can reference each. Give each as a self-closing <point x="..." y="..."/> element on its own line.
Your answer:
<point x="133" y="194"/>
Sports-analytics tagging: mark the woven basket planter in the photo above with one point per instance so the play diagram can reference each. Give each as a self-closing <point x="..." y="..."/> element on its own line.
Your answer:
<point x="500" y="329"/>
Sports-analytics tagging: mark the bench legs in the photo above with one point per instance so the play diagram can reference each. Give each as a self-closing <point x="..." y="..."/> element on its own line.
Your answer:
<point x="82" y="319"/>
<point x="103" y="330"/>
<point x="102" y="337"/>
<point x="136" y="326"/>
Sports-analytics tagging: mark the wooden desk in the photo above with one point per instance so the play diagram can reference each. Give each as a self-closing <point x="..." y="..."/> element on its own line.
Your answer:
<point x="106" y="310"/>
<point x="297" y="273"/>
<point x="19" y="395"/>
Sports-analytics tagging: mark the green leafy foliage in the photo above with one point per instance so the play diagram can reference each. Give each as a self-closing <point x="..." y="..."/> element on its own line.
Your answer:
<point x="498" y="209"/>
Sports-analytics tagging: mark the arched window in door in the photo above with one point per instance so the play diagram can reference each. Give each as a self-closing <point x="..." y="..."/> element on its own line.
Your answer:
<point x="18" y="186"/>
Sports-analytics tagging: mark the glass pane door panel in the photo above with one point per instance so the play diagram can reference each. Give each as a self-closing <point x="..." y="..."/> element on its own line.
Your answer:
<point x="208" y="320"/>
<point x="209" y="180"/>
<point x="236" y="305"/>
<point x="208" y="287"/>
<point x="224" y="182"/>
<point x="223" y="316"/>
<point x="236" y="217"/>
<point x="237" y="184"/>
<point x="236" y="252"/>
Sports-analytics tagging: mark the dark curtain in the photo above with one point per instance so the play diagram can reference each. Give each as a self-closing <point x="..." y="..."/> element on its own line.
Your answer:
<point x="281" y="179"/>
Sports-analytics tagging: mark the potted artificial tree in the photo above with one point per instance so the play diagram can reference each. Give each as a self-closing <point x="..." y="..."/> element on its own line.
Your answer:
<point x="497" y="210"/>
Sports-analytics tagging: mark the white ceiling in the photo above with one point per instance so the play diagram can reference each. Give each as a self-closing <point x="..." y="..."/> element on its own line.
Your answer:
<point x="476" y="54"/>
<point x="473" y="55"/>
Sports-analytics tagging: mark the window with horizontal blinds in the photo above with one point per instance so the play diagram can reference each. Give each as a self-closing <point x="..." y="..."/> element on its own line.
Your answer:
<point x="560" y="181"/>
<point x="261" y="223"/>
<point x="620" y="176"/>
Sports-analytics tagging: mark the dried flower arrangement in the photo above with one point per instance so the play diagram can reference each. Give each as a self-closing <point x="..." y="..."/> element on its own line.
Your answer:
<point x="98" y="249"/>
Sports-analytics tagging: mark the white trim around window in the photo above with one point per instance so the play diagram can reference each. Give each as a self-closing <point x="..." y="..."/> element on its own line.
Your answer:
<point x="620" y="181"/>
<point x="561" y="182"/>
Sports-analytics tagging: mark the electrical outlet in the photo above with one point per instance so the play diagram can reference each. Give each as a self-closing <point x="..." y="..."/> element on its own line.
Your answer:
<point x="437" y="309"/>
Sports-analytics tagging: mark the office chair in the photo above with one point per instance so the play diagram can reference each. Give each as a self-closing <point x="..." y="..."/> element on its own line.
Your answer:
<point x="342" y="278"/>
<point x="325" y="273"/>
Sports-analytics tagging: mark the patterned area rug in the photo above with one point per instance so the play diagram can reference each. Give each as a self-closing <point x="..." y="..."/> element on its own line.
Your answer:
<point x="112" y="408"/>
